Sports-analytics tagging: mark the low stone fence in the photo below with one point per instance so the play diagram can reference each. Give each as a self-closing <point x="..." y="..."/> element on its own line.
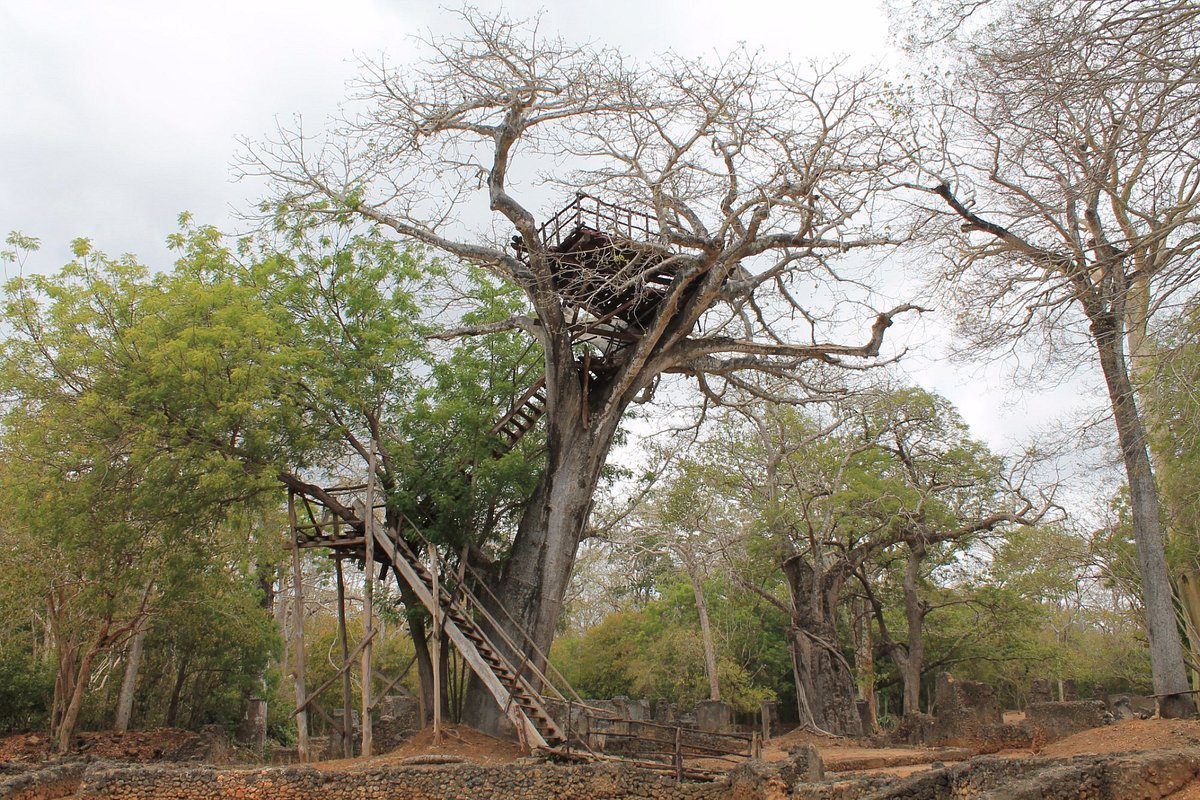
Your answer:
<point x="44" y="782"/>
<point x="393" y="782"/>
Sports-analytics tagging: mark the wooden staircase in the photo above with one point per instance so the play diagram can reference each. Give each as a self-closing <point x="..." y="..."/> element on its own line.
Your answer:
<point x="523" y="415"/>
<point x="521" y="703"/>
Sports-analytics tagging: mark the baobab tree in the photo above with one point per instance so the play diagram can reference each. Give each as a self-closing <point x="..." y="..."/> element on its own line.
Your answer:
<point x="1065" y="170"/>
<point x="756" y="177"/>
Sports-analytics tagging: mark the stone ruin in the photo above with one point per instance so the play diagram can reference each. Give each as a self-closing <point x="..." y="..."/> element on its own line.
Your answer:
<point x="968" y="714"/>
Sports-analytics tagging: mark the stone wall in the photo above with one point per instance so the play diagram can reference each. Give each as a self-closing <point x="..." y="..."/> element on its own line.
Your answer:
<point x="393" y="782"/>
<point x="1052" y="721"/>
<point x="44" y="782"/>
<point x="1109" y="777"/>
<point x="968" y="714"/>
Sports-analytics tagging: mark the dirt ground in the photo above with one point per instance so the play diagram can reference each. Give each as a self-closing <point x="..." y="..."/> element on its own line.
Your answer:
<point x="848" y="755"/>
<point x="458" y="742"/>
<point x="1133" y="734"/>
<point x="154" y="745"/>
<point x="845" y="755"/>
<point x="840" y="756"/>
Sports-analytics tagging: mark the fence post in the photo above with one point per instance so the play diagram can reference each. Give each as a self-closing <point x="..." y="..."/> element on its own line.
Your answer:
<point x="568" y="727"/>
<point x="678" y="754"/>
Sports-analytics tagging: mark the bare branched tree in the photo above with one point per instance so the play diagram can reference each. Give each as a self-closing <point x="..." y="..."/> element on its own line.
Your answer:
<point x="754" y="178"/>
<point x="1068" y="179"/>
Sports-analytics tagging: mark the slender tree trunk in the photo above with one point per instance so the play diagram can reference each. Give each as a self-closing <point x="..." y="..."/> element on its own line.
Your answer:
<point x="177" y="691"/>
<point x="444" y="674"/>
<point x="864" y="662"/>
<point x="421" y="654"/>
<point x="70" y="718"/>
<point x="706" y="637"/>
<point x="133" y="664"/>
<point x="252" y="728"/>
<point x="1166" y="648"/>
<point x="64" y="687"/>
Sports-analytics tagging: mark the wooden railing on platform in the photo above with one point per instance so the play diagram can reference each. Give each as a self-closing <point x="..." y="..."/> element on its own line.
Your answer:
<point x="592" y="212"/>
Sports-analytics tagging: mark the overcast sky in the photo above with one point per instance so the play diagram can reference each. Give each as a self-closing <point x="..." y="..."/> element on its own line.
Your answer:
<point x="115" y="116"/>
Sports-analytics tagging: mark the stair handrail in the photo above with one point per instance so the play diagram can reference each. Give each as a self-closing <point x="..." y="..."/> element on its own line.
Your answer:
<point x="496" y="626"/>
<point x="512" y="645"/>
<point x="491" y="620"/>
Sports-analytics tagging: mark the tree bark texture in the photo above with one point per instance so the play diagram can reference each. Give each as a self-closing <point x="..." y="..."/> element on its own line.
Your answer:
<point x="822" y="672"/>
<point x="538" y="568"/>
<point x="913" y="662"/>
<point x="1166" y="647"/>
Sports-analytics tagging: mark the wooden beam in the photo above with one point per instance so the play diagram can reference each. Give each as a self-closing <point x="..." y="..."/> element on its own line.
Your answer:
<point x="436" y="640"/>
<point x="331" y="679"/>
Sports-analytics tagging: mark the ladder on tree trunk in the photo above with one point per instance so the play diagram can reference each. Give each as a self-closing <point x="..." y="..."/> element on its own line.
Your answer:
<point x="522" y="416"/>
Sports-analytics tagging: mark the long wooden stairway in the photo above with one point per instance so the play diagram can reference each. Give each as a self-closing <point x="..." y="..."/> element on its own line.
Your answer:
<point x="521" y="703"/>
<point x="337" y="526"/>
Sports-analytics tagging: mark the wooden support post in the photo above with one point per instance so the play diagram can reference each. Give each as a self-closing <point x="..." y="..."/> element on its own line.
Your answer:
<point x="298" y="668"/>
<point x="347" y="712"/>
<point x="568" y="727"/>
<point x="368" y="600"/>
<point x="436" y="641"/>
<point x="678" y="759"/>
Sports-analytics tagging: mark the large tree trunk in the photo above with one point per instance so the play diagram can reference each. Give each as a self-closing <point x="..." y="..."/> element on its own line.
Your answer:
<point x="1166" y="649"/>
<point x="538" y="568"/>
<point x="914" y="658"/>
<point x="822" y="674"/>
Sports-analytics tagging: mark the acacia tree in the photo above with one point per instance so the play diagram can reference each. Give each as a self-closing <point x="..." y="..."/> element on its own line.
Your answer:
<point x="1067" y="163"/>
<point x="758" y="174"/>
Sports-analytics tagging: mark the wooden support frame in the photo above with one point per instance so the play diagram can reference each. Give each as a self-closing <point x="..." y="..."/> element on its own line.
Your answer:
<point x="436" y="641"/>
